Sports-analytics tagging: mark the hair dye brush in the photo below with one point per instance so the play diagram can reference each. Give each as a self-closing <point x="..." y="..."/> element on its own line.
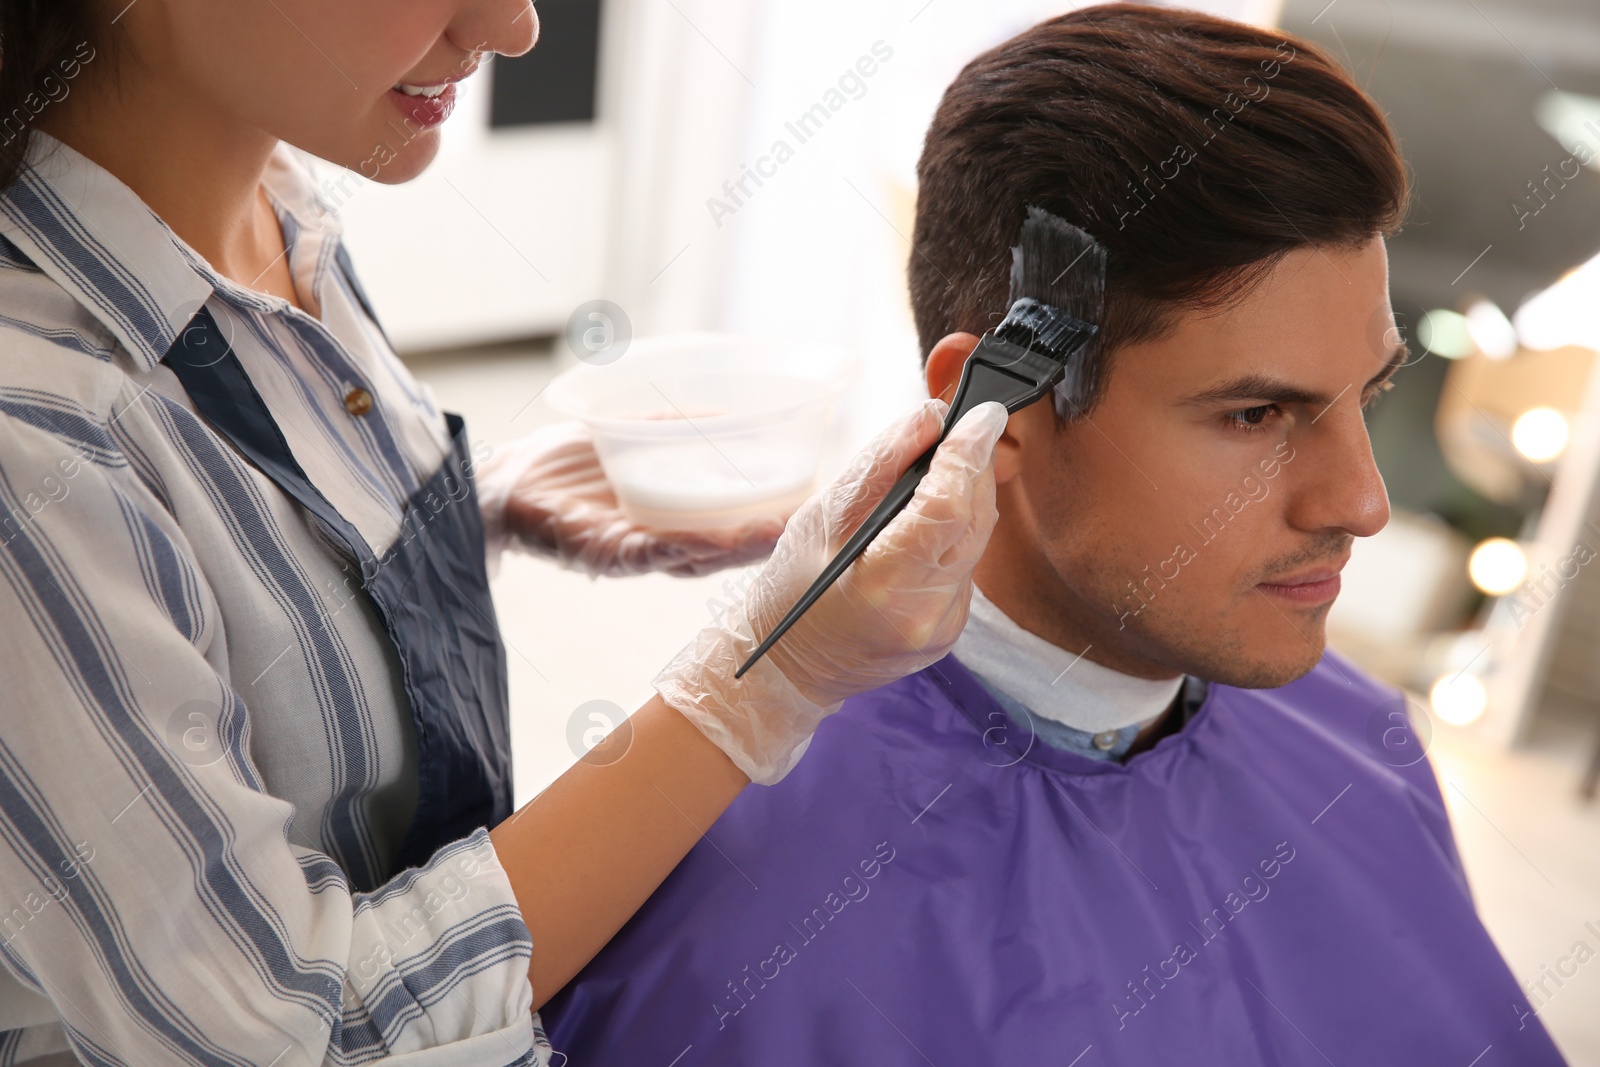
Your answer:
<point x="1057" y="279"/>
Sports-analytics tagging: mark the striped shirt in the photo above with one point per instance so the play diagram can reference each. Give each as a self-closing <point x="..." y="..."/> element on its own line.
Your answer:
<point x="207" y="758"/>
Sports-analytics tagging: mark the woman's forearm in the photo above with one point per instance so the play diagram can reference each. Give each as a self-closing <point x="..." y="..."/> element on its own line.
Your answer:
<point x="584" y="855"/>
<point x="588" y="851"/>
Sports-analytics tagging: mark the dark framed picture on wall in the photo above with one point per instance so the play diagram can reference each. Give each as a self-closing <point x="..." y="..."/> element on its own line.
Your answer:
<point x="557" y="82"/>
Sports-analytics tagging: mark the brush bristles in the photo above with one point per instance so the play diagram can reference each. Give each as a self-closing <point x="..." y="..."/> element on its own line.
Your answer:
<point x="1034" y="325"/>
<point x="1057" y="281"/>
<point x="1057" y="263"/>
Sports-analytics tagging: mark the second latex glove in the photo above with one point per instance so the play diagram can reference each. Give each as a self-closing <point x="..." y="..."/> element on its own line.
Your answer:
<point x="547" y="495"/>
<point x="897" y="609"/>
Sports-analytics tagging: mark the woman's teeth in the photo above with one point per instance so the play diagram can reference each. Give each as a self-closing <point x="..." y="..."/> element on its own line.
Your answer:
<point x="423" y="90"/>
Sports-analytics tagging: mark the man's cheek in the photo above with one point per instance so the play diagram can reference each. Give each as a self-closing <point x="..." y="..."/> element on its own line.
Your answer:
<point x="1232" y="562"/>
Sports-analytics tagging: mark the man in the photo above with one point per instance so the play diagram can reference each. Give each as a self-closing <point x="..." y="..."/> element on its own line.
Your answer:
<point x="1139" y="815"/>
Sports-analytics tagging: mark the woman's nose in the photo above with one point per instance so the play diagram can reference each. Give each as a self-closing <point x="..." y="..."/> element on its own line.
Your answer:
<point x="509" y="27"/>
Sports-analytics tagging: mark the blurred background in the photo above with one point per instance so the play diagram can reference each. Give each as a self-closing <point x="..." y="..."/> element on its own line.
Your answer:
<point x="628" y="168"/>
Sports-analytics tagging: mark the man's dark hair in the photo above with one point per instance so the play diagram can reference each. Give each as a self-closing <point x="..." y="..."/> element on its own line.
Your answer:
<point x="1197" y="150"/>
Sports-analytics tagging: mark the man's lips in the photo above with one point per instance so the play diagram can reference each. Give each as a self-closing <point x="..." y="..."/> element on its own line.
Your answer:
<point x="1313" y="585"/>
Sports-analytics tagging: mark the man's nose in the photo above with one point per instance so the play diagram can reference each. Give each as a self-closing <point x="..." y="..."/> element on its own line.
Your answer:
<point x="1338" y="484"/>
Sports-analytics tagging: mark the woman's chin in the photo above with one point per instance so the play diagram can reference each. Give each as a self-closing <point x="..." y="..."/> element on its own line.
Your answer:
<point x="411" y="160"/>
<point x="388" y="158"/>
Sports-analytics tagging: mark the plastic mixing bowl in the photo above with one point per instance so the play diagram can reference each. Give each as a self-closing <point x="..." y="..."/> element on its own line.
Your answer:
<point x="704" y="431"/>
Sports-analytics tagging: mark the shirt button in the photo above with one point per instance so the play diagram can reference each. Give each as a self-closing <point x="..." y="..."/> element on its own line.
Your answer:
<point x="1105" y="740"/>
<point x="358" y="401"/>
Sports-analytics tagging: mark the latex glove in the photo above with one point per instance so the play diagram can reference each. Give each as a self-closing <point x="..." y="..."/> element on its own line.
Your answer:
<point x="897" y="609"/>
<point x="546" y="494"/>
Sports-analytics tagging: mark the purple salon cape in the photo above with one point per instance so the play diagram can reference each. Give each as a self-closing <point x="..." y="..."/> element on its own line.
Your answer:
<point x="1274" y="884"/>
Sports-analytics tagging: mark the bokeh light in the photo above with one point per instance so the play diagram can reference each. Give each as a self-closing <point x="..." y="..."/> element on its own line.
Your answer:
<point x="1444" y="333"/>
<point x="1459" y="699"/>
<point x="1540" y="433"/>
<point x="1497" y="566"/>
<point x="1491" y="330"/>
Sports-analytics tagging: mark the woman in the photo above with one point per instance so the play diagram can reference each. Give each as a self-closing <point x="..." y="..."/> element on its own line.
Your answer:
<point x="254" y="784"/>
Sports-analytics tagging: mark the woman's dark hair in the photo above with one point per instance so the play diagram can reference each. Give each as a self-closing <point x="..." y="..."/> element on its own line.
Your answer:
<point x="43" y="47"/>
<point x="1197" y="150"/>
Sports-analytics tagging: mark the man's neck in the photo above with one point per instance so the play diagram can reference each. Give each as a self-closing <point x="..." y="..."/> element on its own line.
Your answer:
<point x="1021" y="582"/>
<point x="1056" y="683"/>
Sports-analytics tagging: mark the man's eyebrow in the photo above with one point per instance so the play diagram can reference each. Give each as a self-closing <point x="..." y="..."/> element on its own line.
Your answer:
<point x="1277" y="391"/>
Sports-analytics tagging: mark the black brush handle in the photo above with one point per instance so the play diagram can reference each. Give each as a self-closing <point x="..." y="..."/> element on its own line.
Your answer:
<point x="981" y="381"/>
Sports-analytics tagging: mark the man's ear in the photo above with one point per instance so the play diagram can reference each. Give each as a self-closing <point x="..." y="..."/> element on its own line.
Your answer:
<point x="943" y="373"/>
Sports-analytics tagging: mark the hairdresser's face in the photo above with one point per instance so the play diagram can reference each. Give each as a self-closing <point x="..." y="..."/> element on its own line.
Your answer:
<point x="319" y="73"/>
<point x="1196" y="521"/>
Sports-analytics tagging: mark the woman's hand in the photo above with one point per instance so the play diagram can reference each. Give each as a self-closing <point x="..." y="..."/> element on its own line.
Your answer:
<point x="897" y="609"/>
<point x="547" y="495"/>
<point x="615" y="827"/>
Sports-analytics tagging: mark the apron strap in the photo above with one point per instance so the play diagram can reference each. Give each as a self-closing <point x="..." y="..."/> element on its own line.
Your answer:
<point x="430" y="591"/>
<point x="226" y="398"/>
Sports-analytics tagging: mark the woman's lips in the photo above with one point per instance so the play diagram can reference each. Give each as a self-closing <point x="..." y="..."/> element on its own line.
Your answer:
<point x="1313" y="588"/>
<point x="426" y="111"/>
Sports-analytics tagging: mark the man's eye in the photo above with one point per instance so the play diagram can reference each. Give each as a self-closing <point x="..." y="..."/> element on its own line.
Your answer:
<point x="1252" y="418"/>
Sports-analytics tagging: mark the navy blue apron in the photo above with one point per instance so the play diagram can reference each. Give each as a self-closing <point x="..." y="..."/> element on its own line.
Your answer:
<point x="430" y="590"/>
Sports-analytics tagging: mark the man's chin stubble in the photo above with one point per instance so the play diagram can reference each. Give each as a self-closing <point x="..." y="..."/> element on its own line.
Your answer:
<point x="1229" y="658"/>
